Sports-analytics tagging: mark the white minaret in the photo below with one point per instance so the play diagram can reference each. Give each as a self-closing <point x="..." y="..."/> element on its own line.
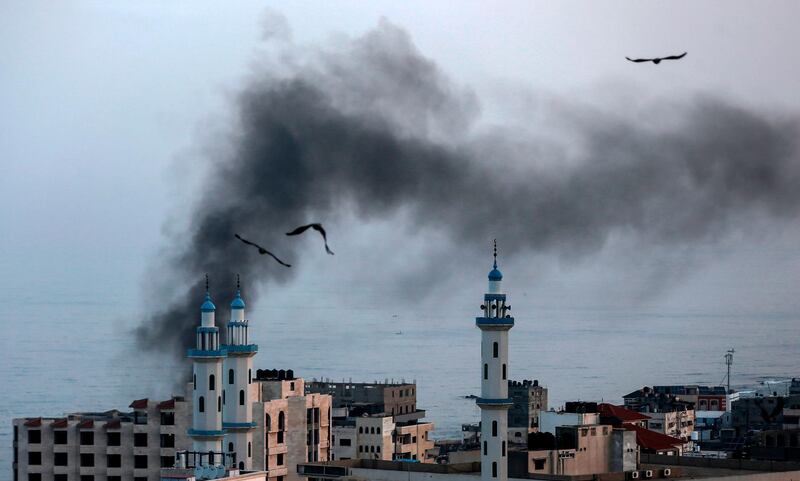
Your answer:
<point x="206" y="431"/>
<point x="494" y="401"/>
<point x="237" y="411"/>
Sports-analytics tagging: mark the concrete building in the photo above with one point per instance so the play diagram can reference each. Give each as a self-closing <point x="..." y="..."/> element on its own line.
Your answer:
<point x="529" y="401"/>
<point x="579" y="450"/>
<point x="229" y="420"/>
<point x="648" y="441"/>
<point x="392" y="398"/>
<point x="377" y="421"/>
<point x="494" y="401"/>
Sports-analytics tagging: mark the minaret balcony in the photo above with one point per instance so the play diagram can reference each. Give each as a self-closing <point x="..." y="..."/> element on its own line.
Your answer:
<point x="201" y="433"/>
<point x="234" y="349"/>
<point x="494" y="323"/>
<point x="206" y="353"/>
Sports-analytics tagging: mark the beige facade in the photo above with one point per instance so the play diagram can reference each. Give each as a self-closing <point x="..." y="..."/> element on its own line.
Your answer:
<point x="379" y="437"/>
<point x="588" y="449"/>
<point x="107" y="446"/>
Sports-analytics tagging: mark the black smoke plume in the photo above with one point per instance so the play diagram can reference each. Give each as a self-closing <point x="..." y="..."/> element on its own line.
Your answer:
<point x="373" y="127"/>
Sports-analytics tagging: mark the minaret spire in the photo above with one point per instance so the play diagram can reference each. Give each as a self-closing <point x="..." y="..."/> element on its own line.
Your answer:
<point x="495" y="254"/>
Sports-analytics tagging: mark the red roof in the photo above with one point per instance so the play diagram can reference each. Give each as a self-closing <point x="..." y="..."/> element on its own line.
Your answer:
<point x="33" y="423"/>
<point x="624" y="415"/>
<point x="113" y="424"/>
<point x="59" y="423"/>
<point x="652" y="440"/>
<point x="87" y="424"/>
<point x="170" y="404"/>
<point x="139" y="404"/>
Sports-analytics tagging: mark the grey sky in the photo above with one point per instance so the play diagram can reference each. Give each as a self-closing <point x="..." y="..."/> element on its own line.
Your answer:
<point x="110" y="110"/>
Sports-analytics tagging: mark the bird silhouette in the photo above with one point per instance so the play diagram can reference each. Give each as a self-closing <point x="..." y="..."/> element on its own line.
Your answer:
<point x="657" y="60"/>
<point x="317" y="227"/>
<point x="261" y="250"/>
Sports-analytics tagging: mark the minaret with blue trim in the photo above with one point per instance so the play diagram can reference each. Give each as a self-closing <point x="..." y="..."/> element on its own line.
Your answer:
<point x="206" y="431"/>
<point x="237" y="411"/>
<point x="494" y="402"/>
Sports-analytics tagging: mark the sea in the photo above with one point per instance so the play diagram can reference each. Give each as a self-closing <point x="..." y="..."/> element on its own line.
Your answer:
<point x="67" y="347"/>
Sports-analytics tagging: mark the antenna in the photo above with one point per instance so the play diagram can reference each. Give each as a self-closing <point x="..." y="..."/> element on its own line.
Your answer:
<point x="729" y="362"/>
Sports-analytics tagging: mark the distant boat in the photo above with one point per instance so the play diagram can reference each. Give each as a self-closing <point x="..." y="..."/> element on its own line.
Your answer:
<point x="470" y="396"/>
<point x="398" y="333"/>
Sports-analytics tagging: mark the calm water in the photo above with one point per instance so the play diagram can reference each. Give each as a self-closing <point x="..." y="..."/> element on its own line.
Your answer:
<point x="63" y="350"/>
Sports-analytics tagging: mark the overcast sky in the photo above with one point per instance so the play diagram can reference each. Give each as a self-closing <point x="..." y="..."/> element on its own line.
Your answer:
<point x="110" y="110"/>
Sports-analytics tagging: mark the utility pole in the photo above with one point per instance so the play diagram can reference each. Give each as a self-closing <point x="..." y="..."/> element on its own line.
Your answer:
<point x="729" y="362"/>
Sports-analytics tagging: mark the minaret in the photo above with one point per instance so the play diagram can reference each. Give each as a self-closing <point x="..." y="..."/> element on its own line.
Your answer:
<point x="494" y="401"/>
<point x="237" y="411"/>
<point x="206" y="431"/>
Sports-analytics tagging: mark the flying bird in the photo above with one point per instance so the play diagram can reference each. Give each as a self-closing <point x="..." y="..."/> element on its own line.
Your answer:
<point x="317" y="227"/>
<point x="261" y="250"/>
<point x="658" y="59"/>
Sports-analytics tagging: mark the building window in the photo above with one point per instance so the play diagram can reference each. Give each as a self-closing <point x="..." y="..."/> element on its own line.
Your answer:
<point x="60" y="459"/>
<point x="87" y="438"/>
<point x="495" y="350"/>
<point x="140" y="440"/>
<point x="230" y="376"/>
<point x="360" y="430"/>
<point x="65" y="477"/>
<point x="140" y="478"/>
<point x="291" y="386"/>
<point x="194" y="381"/>
<point x="377" y="449"/>
<point x="211" y="382"/>
<point x="241" y="397"/>
<point x="360" y="448"/>
<point x="87" y="460"/>
<point x="114" y="478"/>
<point x="269" y="423"/>
<point x="344" y="442"/>
<point x="280" y="437"/>
<point x="167" y="418"/>
<point x="280" y="459"/>
<point x="494" y="428"/>
<point x="112" y="439"/>
<point x="281" y="421"/>
<point x="249" y="450"/>
<point x="114" y="460"/>
<point x="504" y="449"/>
<point x="167" y="440"/>
<point x="494" y="469"/>
<point x="504" y="372"/>
<point x="219" y="404"/>
<point x="59" y="437"/>
<point x="34" y="458"/>
<point x="201" y="405"/>
<point x="486" y="371"/>
<point x="87" y="477"/>
<point x="140" y="461"/>
<point x="538" y="464"/>
<point x="485" y="448"/>
<point x="167" y="461"/>
<point x="34" y="476"/>
<point x="35" y="436"/>
<point x="250" y="376"/>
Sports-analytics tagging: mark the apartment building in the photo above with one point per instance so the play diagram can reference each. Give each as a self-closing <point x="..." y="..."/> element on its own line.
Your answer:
<point x="529" y="401"/>
<point x="377" y="421"/>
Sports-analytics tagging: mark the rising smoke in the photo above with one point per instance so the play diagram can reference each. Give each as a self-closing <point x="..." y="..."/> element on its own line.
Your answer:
<point x="373" y="127"/>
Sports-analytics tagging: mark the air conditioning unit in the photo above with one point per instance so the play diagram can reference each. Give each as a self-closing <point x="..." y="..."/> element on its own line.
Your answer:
<point x="633" y="475"/>
<point x="648" y="474"/>
<point x="667" y="472"/>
